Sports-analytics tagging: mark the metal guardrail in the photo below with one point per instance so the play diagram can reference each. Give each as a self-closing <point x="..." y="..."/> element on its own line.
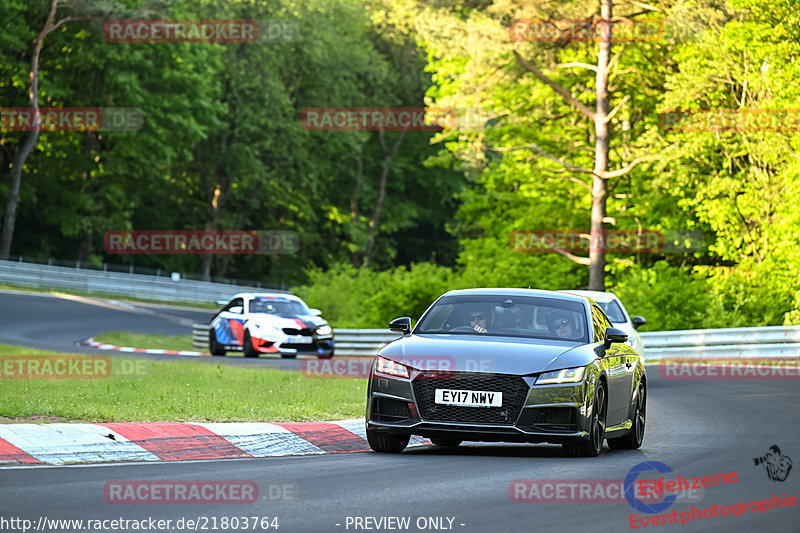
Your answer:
<point x="769" y="341"/>
<point x="118" y="283"/>
<point x="766" y="341"/>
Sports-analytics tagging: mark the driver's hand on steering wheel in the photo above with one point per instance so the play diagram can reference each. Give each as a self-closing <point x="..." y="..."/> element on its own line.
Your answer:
<point x="477" y="319"/>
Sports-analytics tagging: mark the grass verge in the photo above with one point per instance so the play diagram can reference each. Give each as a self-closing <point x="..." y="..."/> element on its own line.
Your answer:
<point x="183" y="391"/>
<point x="141" y="340"/>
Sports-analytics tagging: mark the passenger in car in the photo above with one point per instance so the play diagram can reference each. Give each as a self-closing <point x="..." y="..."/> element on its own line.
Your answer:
<point x="560" y="324"/>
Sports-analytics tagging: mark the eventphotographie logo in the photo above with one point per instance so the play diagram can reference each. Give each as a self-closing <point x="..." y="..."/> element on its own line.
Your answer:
<point x="777" y="465"/>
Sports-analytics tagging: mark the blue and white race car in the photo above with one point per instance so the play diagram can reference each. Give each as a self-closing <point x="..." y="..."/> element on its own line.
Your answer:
<point x="257" y="323"/>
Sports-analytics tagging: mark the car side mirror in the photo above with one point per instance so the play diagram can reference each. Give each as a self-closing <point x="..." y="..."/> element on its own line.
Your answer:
<point x="401" y="325"/>
<point x="315" y="312"/>
<point x="638" y="321"/>
<point x="237" y="309"/>
<point x="222" y="302"/>
<point x="614" y="335"/>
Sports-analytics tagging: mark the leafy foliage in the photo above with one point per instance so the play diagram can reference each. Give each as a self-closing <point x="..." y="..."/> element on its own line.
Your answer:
<point x="222" y="147"/>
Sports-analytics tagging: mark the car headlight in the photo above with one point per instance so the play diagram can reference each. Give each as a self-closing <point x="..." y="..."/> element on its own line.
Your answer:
<point x="567" y="375"/>
<point x="324" y="330"/>
<point x="385" y="366"/>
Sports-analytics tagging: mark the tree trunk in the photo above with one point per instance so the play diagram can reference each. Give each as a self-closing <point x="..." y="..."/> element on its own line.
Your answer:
<point x="85" y="248"/>
<point x="376" y="214"/>
<point x="354" y="196"/>
<point x="10" y="217"/>
<point x="597" y="255"/>
<point x="237" y="225"/>
<point x="212" y="222"/>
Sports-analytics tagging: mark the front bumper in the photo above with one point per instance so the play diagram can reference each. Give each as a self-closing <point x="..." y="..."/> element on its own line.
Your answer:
<point x="531" y="413"/>
<point x="319" y="345"/>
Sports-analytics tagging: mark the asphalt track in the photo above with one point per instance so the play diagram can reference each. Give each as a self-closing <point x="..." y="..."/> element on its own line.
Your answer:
<point x="697" y="428"/>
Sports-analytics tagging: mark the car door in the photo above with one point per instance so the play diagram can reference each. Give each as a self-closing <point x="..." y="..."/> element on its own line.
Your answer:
<point x="614" y="362"/>
<point x="229" y="323"/>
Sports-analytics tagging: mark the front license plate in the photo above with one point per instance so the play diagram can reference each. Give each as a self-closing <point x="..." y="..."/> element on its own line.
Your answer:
<point x="469" y="398"/>
<point x="299" y="339"/>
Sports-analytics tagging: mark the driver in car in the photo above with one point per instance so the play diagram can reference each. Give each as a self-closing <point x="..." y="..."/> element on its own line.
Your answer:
<point x="560" y="324"/>
<point x="477" y="317"/>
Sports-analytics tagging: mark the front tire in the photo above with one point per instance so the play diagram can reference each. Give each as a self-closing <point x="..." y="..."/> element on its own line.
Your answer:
<point x="383" y="442"/>
<point x="597" y="428"/>
<point x="213" y="346"/>
<point x="288" y="355"/>
<point x="247" y="346"/>
<point x="633" y="440"/>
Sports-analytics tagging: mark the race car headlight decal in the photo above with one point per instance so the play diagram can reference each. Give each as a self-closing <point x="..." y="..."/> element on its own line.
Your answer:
<point x="324" y="330"/>
<point x="385" y="366"/>
<point x="266" y="330"/>
<point x="567" y="375"/>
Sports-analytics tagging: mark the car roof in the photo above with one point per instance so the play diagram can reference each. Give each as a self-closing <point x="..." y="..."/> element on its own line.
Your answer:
<point x="518" y="292"/>
<point x="284" y="295"/>
<point x="598" y="296"/>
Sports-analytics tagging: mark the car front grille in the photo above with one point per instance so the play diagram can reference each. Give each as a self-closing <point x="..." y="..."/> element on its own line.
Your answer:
<point x="294" y="331"/>
<point x="514" y="390"/>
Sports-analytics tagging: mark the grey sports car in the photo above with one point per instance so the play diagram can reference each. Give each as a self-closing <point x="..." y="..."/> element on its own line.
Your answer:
<point x="513" y="365"/>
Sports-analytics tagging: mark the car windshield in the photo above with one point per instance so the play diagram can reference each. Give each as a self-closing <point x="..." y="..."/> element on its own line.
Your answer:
<point x="613" y="311"/>
<point x="506" y="316"/>
<point x="274" y="306"/>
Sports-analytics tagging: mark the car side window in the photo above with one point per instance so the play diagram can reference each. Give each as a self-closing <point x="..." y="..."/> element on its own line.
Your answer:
<point x="235" y="302"/>
<point x="597" y="323"/>
<point x="606" y="321"/>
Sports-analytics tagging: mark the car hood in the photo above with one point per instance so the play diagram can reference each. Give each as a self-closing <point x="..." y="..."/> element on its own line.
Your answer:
<point x="299" y="322"/>
<point x="627" y="327"/>
<point x="478" y="353"/>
